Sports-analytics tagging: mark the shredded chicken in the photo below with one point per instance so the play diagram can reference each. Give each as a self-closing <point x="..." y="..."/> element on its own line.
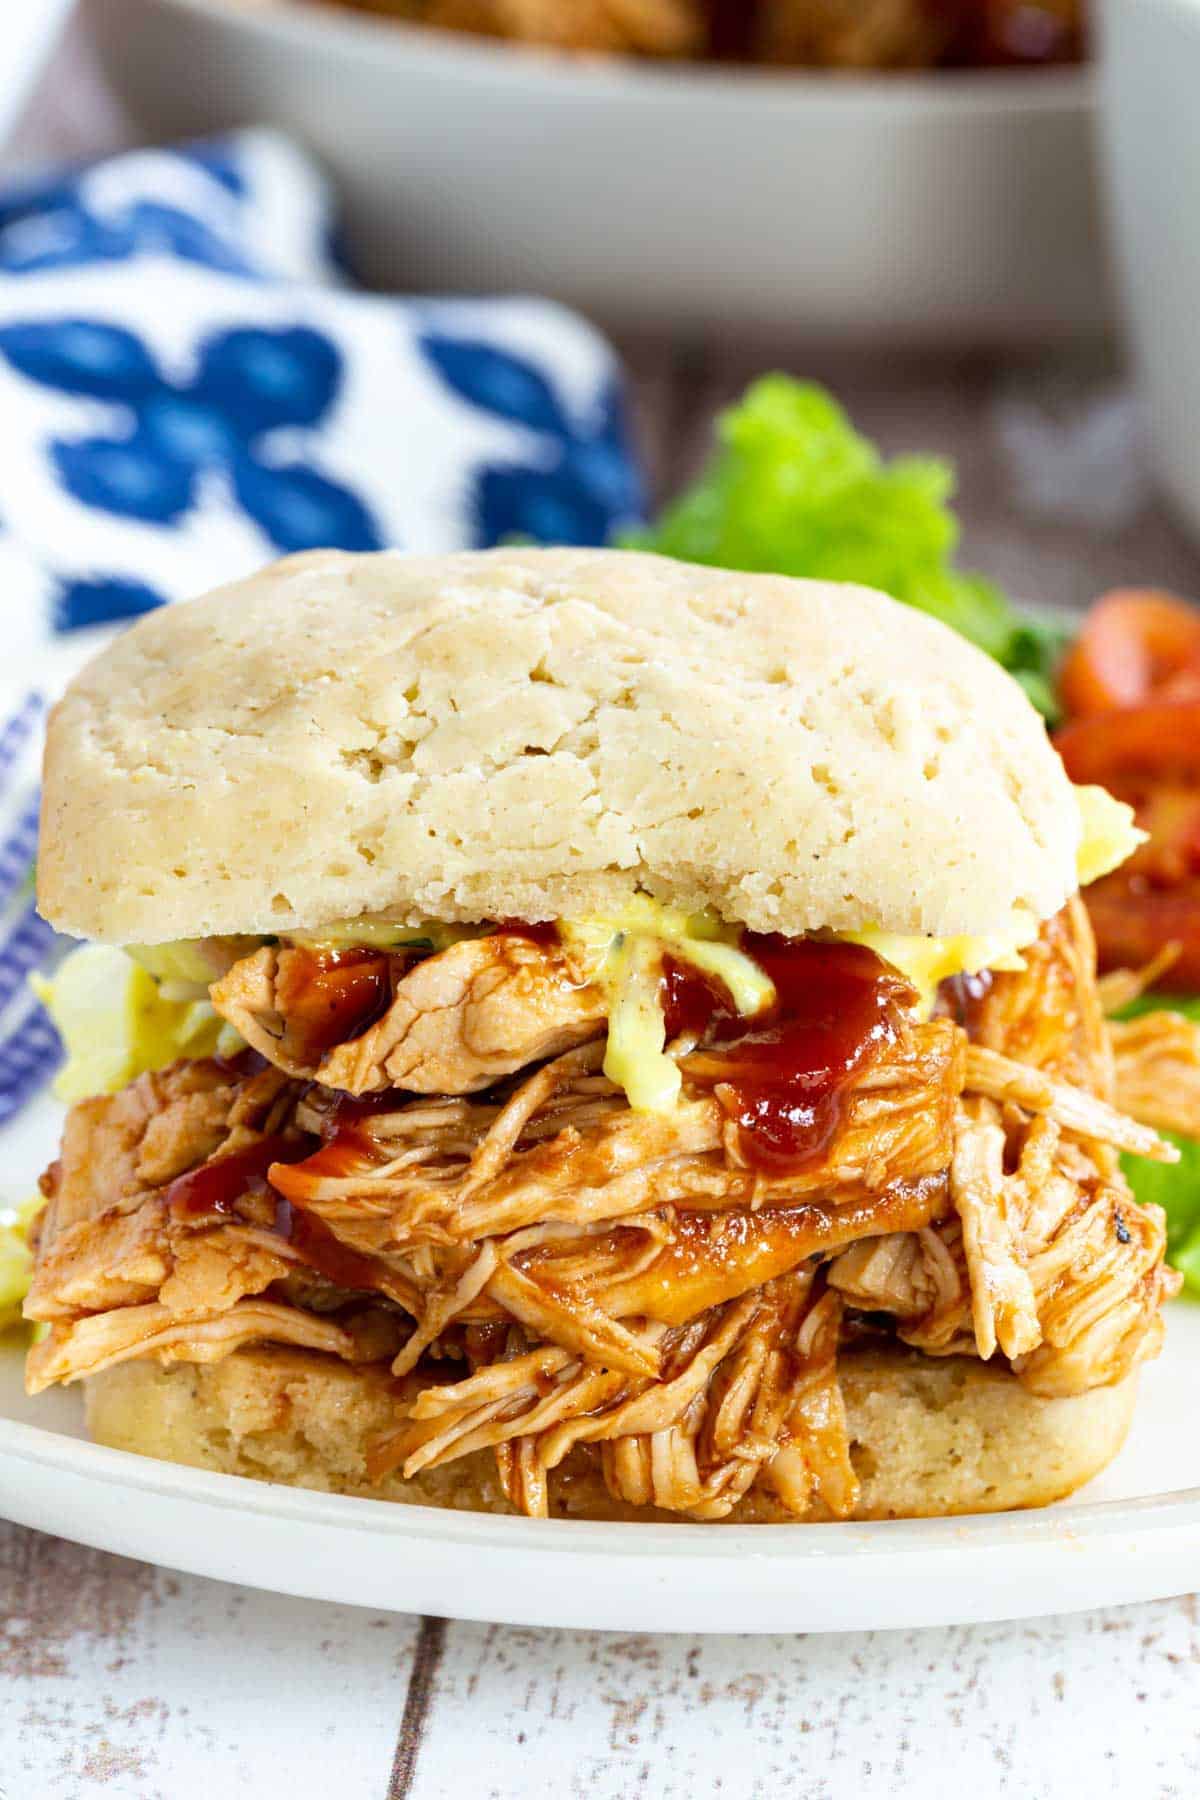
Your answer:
<point x="102" y="1340"/>
<point x="554" y="1275"/>
<point x="1065" y="1277"/>
<point x="1121" y="986"/>
<point x="182" y="1116"/>
<point x="1003" y="1309"/>
<point x="584" y="1156"/>
<point x="999" y="1078"/>
<point x="741" y="1390"/>
<point x="457" y="1022"/>
<point x="1053" y="1264"/>
<point x="1158" y="1071"/>
<point x="119" y="1151"/>
<point x="121" y="1259"/>
<point x="1047" y="1016"/>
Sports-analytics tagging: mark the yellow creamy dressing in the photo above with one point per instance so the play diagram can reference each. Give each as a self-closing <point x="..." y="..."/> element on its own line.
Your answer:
<point x="120" y="1014"/>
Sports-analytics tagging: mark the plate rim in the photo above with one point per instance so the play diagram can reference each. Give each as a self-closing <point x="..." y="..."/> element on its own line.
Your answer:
<point x="1075" y="1523"/>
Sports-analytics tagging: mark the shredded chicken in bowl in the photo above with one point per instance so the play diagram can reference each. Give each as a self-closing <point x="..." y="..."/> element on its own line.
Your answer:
<point x="829" y="34"/>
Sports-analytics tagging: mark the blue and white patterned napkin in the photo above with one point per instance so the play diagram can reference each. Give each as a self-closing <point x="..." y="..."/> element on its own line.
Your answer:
<point x="189" y="387"/>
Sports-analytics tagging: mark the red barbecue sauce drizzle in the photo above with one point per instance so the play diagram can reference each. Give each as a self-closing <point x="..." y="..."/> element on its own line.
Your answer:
<point x="784" y="1073"/>
<point x="330" y="996"/>
<point x="219" y="1188"/>
<point x="346" y="1146"/>
<point x="316" y="1245"/>
<point x="327" y="998"/>
<point x="692" y="1001"/>
<point x="961" y="998"/>
<point x="216" y="1187"/>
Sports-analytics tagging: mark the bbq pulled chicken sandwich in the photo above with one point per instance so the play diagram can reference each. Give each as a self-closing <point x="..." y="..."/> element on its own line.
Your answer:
<point x="598" y="1037"/>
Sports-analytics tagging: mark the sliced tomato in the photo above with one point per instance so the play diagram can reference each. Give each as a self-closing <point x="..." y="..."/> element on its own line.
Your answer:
<point x="1131" y="687"/>
<point x="1131" y="928"/>
<point x="1157" y="738"/>
<point x="1170" y="815"/>
<point x="1135" y="644"/>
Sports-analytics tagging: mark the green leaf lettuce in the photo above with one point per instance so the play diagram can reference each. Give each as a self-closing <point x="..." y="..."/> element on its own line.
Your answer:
<point x="793" y="489"/>
<point x="1173" y="1186"/>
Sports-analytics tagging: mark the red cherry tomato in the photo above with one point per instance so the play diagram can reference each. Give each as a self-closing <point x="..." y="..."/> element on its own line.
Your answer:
<point x="1135" y="645"/>
<point x="1157" y="738"/>
<point x="1132" y="926"/>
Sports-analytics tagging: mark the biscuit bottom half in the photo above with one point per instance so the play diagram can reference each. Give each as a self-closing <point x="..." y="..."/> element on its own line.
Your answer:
<point x="927" y="1437"/>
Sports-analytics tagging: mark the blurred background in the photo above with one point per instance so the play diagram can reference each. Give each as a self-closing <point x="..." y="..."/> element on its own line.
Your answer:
<point x="972" y="224"/>
<point x="929" y="206"/>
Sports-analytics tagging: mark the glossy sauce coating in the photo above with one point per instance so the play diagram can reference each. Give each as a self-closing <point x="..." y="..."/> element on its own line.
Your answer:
<point x="217" y="1186"/>
<point x="713" y="1257"/>
<point x="346" y="1147"/>
<point x="221" y="1186"/>
<point x="960" y="997"/>
<point x="331" y="996"/>
<point x="783" y="1074"/>
<point x="317" y="1246"/>
<point x="691" y="1001"/>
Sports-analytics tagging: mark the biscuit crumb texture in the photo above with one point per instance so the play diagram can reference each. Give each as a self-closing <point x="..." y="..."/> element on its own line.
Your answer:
<point x="535" y="733"/>
<point x="928" y="1436"/>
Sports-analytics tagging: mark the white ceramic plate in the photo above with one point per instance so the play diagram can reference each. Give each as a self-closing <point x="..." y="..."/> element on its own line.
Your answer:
<point x="934" y="208"/>
<point x="1136" y="1535"/>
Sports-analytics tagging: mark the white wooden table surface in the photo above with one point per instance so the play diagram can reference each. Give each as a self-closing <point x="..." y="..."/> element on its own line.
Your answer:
<point x="122" y="1682"/>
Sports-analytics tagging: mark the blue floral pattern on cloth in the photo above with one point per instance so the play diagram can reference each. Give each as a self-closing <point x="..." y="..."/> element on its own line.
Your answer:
<point x="585" y="478"/>
<point x="85" y="218"/>
<point x="189" y="387"/>
<point x="247" y="383"/>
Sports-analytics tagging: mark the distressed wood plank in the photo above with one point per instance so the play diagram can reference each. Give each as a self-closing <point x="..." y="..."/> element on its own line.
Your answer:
<point x="128" y="1683"/>
<point x="123" y="1682"/>
<point x="418" y="1703"/>
<point x="1100" y="1704"/>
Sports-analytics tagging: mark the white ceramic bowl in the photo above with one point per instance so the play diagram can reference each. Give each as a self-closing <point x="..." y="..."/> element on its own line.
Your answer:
<point x="1151" y="77"/>
<point x="947" y="207"/>
<point x="29" y="35"/>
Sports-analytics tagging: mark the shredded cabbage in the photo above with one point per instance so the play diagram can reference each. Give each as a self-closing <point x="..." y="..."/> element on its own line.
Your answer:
<point x="116" y="1023"/>
<point x="624" y="954"/>
<point x="16" y="1259"/>
<point x="385" y="934"/>
<point x="182" y="970"/>
<point x="1109" y="833"/>
<point x="926" y="961"/>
